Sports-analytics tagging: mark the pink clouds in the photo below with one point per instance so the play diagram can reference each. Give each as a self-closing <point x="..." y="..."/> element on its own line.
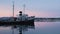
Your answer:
<point x="7" y="11"/>
<point x="37" y="13"/>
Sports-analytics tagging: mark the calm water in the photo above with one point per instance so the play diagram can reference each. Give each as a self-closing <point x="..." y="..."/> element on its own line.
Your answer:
<point x="38" y="28"/>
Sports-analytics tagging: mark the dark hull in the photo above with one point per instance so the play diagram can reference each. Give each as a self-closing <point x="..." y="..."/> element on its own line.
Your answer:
<point x="27" y="22"/>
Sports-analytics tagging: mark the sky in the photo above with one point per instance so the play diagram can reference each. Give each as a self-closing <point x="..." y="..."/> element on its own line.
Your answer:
<point x="38" y="8"/>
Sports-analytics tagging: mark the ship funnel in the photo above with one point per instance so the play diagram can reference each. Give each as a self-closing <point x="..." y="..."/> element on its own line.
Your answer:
<point x="20" y="13"/>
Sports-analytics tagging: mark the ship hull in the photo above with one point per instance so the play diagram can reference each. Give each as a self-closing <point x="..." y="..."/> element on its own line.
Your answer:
<point x="27" y="22"/>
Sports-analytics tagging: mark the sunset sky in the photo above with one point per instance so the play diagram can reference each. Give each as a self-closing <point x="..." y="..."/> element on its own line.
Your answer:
<point x="38" y="8"/>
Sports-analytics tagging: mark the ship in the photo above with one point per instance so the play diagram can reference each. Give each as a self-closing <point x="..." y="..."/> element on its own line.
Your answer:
<point x="22" y="19"/>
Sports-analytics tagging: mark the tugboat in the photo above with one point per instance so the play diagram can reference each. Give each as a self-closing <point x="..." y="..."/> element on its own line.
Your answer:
<point x="22" y="19"/>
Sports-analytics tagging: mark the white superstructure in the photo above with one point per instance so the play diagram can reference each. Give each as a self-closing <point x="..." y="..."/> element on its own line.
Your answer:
<point x="23" y="17"/>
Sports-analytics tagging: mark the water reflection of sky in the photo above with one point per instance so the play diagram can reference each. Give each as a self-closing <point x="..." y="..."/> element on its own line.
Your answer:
<point x="40" y="28"/>
<point x="48" y="27"/>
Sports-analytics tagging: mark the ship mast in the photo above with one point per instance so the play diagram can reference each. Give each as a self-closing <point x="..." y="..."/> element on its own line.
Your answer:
<point x="13" y="16"/>
<point x="13" y="8"/>
<point x="24" y="8"/>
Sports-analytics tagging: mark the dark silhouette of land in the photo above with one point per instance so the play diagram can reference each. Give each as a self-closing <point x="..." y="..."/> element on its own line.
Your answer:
<point x="47" y="19"/>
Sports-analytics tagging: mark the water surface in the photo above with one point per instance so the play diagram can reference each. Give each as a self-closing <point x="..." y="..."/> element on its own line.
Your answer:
<point x="38" y="28"/>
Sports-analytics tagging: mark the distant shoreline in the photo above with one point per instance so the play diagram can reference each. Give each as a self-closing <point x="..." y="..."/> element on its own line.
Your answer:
<point x="47" y="19"/>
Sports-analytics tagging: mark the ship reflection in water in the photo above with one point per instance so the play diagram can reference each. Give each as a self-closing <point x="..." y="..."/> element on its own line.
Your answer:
<point x="21" y="28"/>
<point x="36" y="28"/>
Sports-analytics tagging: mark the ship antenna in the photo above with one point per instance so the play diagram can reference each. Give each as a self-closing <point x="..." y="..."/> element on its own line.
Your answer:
<point x="13" y="8"/>
<point x="24" y="8"/>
